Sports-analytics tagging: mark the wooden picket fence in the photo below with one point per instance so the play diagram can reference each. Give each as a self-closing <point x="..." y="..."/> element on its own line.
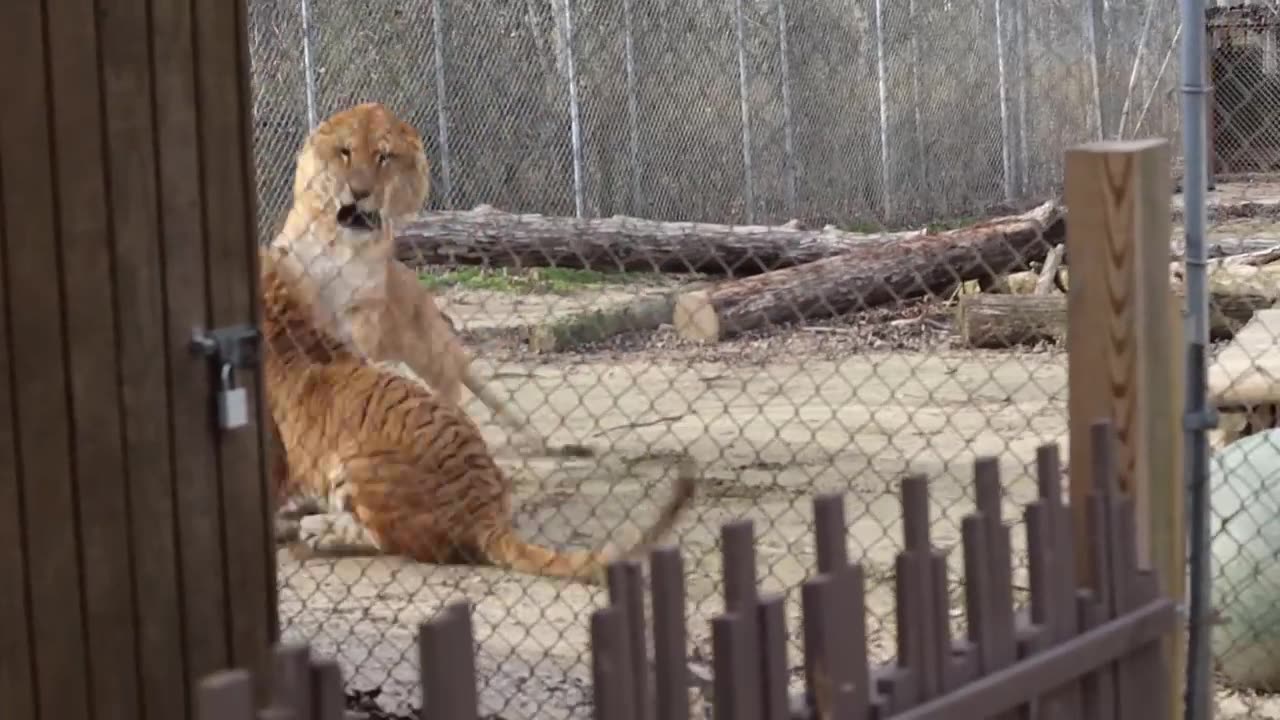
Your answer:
<point x="1071" y="654"/>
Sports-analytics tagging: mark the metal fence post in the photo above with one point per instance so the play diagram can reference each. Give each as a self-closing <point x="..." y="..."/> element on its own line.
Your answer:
<point x="308" y="68"/>
<point x="744" y="84"/>
<point x="633" y="110"/>
<point x="1024" y="70"/>
<point x="1199" y="673"/>
<point x="788" y="139"/>
<point x="442" y="101"/>
<point x="883" y="86"/>
<point x="1006" y="156"/>
<point x="575" y="116"/>
<point x="922" y="159"/>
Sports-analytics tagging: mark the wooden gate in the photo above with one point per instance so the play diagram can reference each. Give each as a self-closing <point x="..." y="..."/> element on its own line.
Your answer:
<point x="133" y="533"/>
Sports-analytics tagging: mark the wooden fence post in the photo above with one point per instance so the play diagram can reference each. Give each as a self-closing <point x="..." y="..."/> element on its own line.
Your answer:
<point x="1125" y="351"/>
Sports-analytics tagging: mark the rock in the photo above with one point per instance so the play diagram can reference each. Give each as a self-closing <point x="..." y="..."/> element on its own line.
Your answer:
<point x="1245" y="528"/>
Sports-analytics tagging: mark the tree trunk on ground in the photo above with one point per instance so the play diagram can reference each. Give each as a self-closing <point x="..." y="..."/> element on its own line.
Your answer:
<point x="1002" y="321"/>
<point x="873" y="275"/>
<point x="1234" y="209"/>
<point x="486" y="236"/>
<point x="645" y="313"/>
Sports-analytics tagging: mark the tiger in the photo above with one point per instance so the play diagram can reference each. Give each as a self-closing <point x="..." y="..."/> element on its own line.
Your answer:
<point x="396" y="468"/>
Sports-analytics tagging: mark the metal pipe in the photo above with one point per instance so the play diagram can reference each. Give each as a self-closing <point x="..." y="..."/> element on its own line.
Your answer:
<point x="788" y="139"/>
<point x="1199" y="677"/>
<point x="1006" y="154"/>
<point x="1195" y="180"/>
<point x="1024" y="72"/>
<point x="922" y="162"/>
<point x="744" y="84"/>
<point x="308" y="69"/>
<point x="442" y="108"/>
<point x="883" y="84"/>
<point x="1199" y="417"/>
<point x="633" y="111"/>
<point x="575" y="117"/>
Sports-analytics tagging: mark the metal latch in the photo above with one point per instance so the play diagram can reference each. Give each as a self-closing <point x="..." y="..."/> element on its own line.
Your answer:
<point x="231" y="348"/>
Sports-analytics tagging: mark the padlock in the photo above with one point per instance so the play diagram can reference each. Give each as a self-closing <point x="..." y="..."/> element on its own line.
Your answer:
<point x="233" y="402"/>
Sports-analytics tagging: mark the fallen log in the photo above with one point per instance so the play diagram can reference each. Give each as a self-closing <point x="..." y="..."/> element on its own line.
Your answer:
<point x="869" y="276"/>
<point x="486" y="236"/>
<point x="1219" y="210"/>
<point x="1004" y="321"/>
<point x="645" y="313"/>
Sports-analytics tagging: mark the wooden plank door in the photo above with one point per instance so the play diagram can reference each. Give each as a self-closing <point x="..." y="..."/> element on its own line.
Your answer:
<point x="133" y="530"/>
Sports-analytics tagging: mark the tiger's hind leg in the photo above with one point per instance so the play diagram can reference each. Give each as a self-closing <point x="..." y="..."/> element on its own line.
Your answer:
<point x="291" y="508"/>
<point x="288" y="516"/>
<point x="334" y="534"/>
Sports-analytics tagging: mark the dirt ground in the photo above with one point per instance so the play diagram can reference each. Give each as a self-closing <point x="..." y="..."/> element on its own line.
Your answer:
<point x="769" y="430"/>
<point x="844" y="406"/>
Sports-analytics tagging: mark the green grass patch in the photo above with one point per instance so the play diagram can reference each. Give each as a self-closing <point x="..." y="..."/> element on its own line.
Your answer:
<point x="871" y="227"/>
<point x="952" y="224"/>
<point x="866" y="227"/>
<point x="531" y="280"/>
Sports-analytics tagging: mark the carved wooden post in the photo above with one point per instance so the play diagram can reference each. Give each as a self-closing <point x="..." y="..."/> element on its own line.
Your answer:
<point x="1124" y="341"/>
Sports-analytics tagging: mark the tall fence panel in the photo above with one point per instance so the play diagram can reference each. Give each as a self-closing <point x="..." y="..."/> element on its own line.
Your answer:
<point x="848" y="111"/>
<point x="812" y="244"/>
<point x="1242" y="239"/>
<point x="136" y="550"/>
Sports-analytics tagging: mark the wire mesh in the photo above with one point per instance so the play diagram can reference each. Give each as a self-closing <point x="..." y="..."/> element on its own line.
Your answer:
<point x="848" y="124"/>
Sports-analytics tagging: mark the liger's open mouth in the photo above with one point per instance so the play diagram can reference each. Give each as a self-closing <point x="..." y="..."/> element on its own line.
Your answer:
<point x="353" y="218"/>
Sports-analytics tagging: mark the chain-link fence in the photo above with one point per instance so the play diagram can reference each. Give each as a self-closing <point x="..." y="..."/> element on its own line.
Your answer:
<point x="1243" y="206"/>
<point x="845" y="126"/>
<point x="843" y="111"/>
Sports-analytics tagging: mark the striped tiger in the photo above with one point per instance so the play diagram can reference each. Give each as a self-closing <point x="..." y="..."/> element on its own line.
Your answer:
<point x="395" y="468"/>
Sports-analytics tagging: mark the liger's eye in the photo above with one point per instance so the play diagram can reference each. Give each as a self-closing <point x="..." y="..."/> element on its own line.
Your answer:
<point x="383" y="158"/>
<point x="346" y="153"/>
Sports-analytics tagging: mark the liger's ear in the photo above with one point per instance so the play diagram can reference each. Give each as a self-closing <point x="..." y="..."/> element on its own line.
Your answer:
<point x="410" y="133"/>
